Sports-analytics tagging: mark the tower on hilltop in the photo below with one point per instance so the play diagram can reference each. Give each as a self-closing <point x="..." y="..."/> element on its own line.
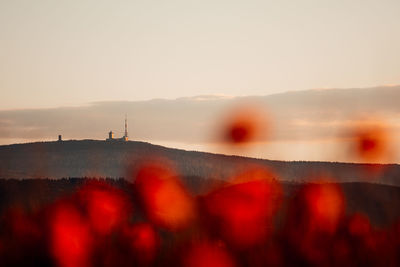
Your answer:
<point x="123" y="138"/>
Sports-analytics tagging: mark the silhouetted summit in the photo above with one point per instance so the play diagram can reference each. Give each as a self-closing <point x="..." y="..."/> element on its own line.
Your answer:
<point x="91" y="158"/>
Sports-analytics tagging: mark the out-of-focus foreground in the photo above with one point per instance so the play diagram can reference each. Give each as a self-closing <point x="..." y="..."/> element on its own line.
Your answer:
<point x="159" y="221"/>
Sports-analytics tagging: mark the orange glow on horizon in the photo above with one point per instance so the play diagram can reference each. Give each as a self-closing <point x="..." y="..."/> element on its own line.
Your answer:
<point x="371" y="142"/>
<point x="244" y="125"/>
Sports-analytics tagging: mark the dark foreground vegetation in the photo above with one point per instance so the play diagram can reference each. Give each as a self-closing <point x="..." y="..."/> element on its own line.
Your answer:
<point x="159" y="220"/>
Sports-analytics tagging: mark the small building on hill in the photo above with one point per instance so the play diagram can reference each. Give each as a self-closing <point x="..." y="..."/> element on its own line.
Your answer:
<point x="124" y="138"/>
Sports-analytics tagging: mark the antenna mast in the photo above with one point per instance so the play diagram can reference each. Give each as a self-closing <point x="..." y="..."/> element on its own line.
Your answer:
<point x="126" y="127"/>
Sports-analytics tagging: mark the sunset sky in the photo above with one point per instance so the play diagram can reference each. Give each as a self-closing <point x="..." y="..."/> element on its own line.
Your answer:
<point x="65" y="58"/>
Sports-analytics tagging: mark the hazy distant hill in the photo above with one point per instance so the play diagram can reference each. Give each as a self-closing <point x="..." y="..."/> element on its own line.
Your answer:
<point x="116" y="159"/>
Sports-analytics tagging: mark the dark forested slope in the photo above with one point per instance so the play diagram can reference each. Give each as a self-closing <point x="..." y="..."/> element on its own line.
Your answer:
<point x="378" y="202"/>
<point x="117" y="159"/>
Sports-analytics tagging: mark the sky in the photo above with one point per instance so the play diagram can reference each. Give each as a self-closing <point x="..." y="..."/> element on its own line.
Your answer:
<point x="71" y="53"/>
<point x="76" y="67"/>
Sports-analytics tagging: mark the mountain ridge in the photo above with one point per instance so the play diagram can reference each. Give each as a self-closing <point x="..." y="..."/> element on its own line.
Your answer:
<point x="97" y="158"/>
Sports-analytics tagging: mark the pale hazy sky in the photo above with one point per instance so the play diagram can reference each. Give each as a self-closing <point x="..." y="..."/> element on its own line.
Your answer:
<point x="68" y="53"/>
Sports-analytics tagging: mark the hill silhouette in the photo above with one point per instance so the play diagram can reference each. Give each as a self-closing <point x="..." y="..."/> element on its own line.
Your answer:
<point x="93" y="158"/>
